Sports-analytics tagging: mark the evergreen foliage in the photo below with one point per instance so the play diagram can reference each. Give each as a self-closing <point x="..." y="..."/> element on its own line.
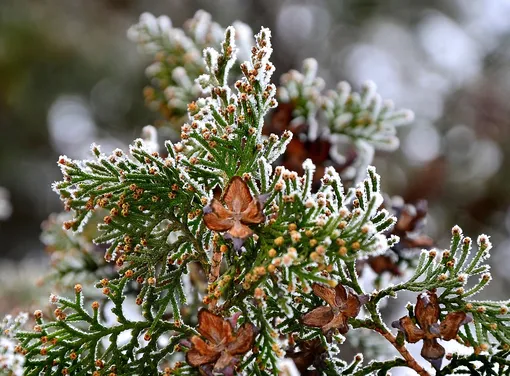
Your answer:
<point x="285" y="286"/>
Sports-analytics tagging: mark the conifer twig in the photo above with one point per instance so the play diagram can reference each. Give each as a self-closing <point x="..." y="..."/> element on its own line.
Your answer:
<point x="401" y="348"/>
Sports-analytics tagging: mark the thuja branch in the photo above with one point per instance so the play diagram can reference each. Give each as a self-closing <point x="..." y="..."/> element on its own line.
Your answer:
<point x="410" y="361"/>
<point x="381" y="367"/>
<point x="472" y="364"/>
<point x="376" y="324"/>
<point x="272" y="253"/>
<point x="145" y="197"/>
<point x="79" y="334"/>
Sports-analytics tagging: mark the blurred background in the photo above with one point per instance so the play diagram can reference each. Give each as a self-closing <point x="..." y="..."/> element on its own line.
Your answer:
<point x="69" y="77"/>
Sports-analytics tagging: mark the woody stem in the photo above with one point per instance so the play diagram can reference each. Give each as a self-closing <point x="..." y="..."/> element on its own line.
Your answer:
<point x="400" y="347"/>
<point x="214" y="273"/>
<point x="411" y="362"/>
<point x="377" y="324"/>
<point x="217" y="256"/>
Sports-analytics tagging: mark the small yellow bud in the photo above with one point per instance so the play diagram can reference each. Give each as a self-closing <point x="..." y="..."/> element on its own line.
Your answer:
<point x="258" y="293"/>
<point x="342" y="251"/>
<point x="295" y="236"/>
<point x="321" y="250"/>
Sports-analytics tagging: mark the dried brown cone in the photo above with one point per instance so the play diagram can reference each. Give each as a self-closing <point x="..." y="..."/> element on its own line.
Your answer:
<point x="342" y="304"/>
<point x="219" y="344"/>
<point x="242" y="210"/>
<point x="309" y="354"/>
<point x="427" y="314"/>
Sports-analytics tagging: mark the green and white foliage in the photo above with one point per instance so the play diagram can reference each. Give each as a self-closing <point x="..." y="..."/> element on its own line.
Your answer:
<point x="343" y="116"/>
<point x="167" y="264"/>
<point x="304" y="92"/>
<point x="11" y="360"/>
<point x="73" y="256"/>
<point x="177" y="55"/>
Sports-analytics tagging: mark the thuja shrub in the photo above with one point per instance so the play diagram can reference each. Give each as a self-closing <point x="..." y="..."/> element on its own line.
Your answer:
<point x="238" y="249"/>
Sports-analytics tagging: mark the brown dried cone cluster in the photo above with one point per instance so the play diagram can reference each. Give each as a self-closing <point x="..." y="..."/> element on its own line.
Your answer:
<point x="217" y="351"/>
<point x="427" y="314"/>
<point x="242" y="210"/>
<point x="310" y="354"/>
<point x="343" y="304"/>
<point x="410" y="221"/>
